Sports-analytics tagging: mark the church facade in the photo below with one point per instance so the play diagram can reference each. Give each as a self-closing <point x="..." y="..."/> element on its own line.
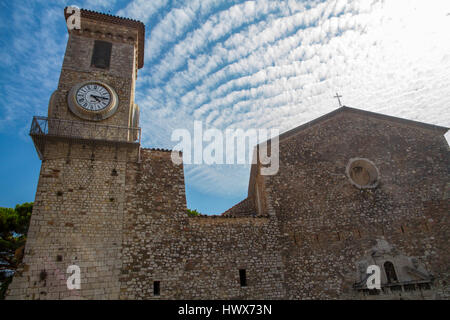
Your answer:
<point x="354" y="189"/>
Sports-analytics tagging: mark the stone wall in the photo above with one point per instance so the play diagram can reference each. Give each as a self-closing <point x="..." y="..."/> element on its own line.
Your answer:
<point x="328" y="223"/>
<point x="125" y="223"/>
<point x="77" y="220"/>
<point x="192" y="257"/>
<point x="245" y="208"/>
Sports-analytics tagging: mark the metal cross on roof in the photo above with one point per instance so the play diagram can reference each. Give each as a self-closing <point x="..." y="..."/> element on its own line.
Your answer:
<point x="339" y="100"/>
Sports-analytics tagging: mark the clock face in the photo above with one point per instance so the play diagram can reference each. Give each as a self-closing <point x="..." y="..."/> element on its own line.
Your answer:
<point x="93" y="100"/>
<point x="93" y="97"/>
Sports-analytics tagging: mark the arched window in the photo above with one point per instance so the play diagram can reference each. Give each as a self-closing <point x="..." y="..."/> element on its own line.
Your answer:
<point x="390" y="272"/>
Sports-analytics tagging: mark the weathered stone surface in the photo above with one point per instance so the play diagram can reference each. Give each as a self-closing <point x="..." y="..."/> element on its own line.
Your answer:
<point x="330" y="223"/>
<point x="307" y="232"/>
<point x="193" y="258"/>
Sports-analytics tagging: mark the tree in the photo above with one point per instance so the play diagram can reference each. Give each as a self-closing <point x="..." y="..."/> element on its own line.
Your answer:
<point x="193" y="213"/>
<point x="13" y="228"/>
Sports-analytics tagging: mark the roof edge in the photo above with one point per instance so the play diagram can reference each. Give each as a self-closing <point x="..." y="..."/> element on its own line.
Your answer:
<point x="294" y="131"/>
<point x="298" y="129"/>
<point x="424" y="125"/>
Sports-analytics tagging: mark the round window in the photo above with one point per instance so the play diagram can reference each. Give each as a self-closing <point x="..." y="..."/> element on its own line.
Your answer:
<point x="362" y="173"/>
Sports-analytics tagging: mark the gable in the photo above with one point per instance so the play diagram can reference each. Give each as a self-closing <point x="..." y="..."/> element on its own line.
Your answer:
<point x="408" y="127"/>
<point x="347" y="110"/>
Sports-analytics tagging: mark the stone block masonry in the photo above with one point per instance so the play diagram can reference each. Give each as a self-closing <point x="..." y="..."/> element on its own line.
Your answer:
<point x="77" y="220"/>
<point x="125" y="222"/>
<point x="192" y="257"/>
<point x="118" y="212"/>
<point x="330" y="223"/>
<point x="125" y="225"/>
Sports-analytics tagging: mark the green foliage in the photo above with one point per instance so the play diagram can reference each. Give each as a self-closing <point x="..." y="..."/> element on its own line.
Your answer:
<point x="15" y="220"/>
<point x="13" y="228"/>
<point x="193" y="213"/>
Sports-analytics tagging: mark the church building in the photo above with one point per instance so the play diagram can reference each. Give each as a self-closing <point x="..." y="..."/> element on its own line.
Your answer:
<point x="354" y="189"/>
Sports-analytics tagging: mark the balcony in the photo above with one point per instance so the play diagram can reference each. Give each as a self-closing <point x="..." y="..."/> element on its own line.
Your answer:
<point x="43" y="128"/>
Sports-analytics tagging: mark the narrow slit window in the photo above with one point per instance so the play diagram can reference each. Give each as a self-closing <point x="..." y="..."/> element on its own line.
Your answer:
<point x="390" y="272"/>
<point x="243" y="277"/>
<point x="101" y="56"/>
<point x="156" y="288"/>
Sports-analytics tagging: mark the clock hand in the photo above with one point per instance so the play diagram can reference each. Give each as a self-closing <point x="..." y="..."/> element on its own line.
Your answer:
<point x="95" y="97"/>
<point x="100" y="97"/>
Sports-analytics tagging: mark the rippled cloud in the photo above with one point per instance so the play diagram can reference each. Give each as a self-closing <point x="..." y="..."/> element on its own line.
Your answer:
<point x="269" y="64"/>
<point x="256" y="64"/>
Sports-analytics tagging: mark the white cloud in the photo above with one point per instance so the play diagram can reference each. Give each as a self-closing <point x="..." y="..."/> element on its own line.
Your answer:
<point x="255" y="64"/>
<point x="142" y="10"/>
<point x="35" y="59"/>
<point x="98" y="4"/>
<point x="283" y="64"/>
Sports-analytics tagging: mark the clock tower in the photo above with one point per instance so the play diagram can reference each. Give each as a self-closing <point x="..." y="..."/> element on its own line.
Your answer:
<point x="99" y="72"/>
<point x="88" y="143"/>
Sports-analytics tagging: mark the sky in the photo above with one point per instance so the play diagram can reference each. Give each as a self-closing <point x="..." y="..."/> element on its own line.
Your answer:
<point x="259" y="64"/>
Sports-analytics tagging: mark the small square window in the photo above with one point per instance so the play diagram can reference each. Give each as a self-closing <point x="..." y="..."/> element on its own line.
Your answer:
<point x="243" y="277"/>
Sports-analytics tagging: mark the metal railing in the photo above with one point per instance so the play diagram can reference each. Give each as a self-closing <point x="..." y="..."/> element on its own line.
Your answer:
<point x="43" y="128"/>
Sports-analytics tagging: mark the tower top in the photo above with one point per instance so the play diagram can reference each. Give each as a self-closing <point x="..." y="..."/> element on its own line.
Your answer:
<point x="89" y="15"/>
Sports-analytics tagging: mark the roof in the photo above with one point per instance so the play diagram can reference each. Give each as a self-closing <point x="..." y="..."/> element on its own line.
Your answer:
<point x="294" y="131"/>
<point x="89" y="14"/>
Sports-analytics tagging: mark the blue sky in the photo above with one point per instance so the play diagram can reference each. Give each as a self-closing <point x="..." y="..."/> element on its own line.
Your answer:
<point x="232" y="64"/>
